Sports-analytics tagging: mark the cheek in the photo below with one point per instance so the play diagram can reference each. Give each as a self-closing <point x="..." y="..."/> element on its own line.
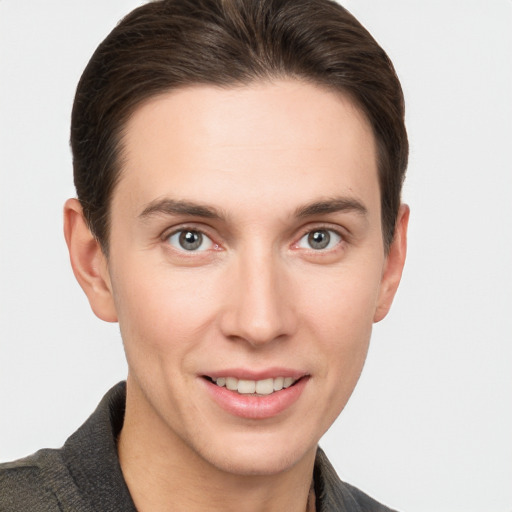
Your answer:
<point x="161" y="310"/>
<point x="338" y="310"/>
<point x="346" y="297"/>
<point x="340" y="320"/>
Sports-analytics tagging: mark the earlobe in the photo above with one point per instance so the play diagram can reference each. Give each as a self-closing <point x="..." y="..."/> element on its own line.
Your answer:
<point x="395" y="261"/>
<point x="88" y="262"/>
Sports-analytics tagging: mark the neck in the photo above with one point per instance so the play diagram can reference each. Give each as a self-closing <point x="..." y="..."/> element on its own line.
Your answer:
<point x="162" y="471"/>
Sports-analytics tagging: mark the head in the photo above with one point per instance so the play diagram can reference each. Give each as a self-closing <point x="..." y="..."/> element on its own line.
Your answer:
<point x="165" y="45"/>
<point x="238" y="166"/>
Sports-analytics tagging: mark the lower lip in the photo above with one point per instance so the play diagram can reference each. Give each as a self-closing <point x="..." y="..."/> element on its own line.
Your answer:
<point x="256" y="407"/>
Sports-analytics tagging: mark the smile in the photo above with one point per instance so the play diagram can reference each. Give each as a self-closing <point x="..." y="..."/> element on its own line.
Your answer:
<point x="255" y="399"/>
<point x="255" y="387"/>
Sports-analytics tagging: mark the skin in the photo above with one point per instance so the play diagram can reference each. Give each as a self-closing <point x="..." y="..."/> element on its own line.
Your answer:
<point x="268" y="164"/>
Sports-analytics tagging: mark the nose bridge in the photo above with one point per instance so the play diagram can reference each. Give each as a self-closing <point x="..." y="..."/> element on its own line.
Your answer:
<point x="259" y="307"/>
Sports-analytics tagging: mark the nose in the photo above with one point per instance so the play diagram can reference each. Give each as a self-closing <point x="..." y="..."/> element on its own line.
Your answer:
<point x="259" y="303"/>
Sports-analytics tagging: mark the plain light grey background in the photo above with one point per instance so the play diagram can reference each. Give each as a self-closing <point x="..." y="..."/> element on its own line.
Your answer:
<point x="429" y="427"/>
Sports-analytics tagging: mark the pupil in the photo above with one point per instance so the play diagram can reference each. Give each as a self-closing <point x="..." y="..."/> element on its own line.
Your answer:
<point x="190" y="240"/>
<point x="319" y="239"/>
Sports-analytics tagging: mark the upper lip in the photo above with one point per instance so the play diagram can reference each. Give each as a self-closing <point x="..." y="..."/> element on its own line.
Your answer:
<point x="252" y="374"/>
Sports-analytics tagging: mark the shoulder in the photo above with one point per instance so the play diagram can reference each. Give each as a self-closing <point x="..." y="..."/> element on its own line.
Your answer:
<point x="82" y="476"/>
<point x="333" y="495"/>
<point x="24" y="484"/>
<point x="364" y="502"/>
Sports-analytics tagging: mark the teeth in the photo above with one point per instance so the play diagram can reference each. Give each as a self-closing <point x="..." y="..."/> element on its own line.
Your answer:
<point x="265" y="387"/>
<point x="288" y="381"/>
<point x="259" y="387"/>
<point x="278" y="383"/>
<point x="232" y="383"/>
<point x="246" y="387"/>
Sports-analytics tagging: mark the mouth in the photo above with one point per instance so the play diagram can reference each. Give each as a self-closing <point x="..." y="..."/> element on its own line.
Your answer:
<point x="261" y="398"/>
<point x="263" y="387"/>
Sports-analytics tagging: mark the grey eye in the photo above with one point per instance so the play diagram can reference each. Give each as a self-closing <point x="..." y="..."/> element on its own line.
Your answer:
<point x="320" y="239"/>
<point x="190" y="240"/>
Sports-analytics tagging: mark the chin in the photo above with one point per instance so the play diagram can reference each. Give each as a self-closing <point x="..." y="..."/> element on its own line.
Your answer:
<point x="259" y="457"/>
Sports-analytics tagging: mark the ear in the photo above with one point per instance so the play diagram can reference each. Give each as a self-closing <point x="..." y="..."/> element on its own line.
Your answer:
<point x="88" y="262"/>
<point x="393" y="266"/>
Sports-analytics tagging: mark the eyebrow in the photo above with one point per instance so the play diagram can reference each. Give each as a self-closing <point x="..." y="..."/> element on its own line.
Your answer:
<point x="174" y="207"/>
<point x="169" y="206"/>
<point x="333" y="205"/>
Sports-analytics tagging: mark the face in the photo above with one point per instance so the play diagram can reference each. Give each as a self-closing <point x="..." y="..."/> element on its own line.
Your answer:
<point x="246" y="268"/>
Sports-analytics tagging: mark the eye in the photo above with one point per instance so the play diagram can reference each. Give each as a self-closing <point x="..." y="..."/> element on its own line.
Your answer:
<point x="319" y="240"/>
<point x="190" y="240"/>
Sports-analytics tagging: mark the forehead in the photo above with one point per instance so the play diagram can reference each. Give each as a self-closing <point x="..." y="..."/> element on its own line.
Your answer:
<point x="264" y="142"/>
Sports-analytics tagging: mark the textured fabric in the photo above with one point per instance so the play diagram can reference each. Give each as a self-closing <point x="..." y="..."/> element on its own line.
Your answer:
<point x="334" y="495"/>
<point x="85" y="475"/>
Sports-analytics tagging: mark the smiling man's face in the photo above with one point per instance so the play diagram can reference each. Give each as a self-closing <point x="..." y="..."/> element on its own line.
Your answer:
<point x="246" y="269"/>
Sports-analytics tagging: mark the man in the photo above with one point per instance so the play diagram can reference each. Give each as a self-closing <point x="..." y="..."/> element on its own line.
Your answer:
<point x="238" y="166"/>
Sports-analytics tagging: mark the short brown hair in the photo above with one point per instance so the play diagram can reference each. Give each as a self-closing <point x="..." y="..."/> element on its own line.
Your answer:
<point x="166" y="44"/>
